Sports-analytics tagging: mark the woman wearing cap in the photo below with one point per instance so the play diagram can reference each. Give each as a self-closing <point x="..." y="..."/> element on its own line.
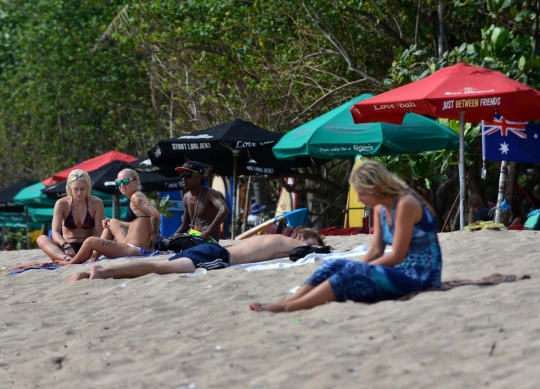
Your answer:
<point x="76" y="217"/>
<point x="204" y="208"/>
<point x="135" y="237"/>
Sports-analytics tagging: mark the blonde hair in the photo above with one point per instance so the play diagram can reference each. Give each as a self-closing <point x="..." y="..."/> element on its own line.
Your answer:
<point x="375" y="179"/>
<point x="76" y="175"/>
<point x="132" y="174"/>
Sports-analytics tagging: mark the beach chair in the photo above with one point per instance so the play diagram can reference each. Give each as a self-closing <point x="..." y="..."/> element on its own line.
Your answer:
<point x="326" y="231"/>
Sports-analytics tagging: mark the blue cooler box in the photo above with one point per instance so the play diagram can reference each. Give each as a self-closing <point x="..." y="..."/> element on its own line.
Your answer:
<point x="170" y="225"/>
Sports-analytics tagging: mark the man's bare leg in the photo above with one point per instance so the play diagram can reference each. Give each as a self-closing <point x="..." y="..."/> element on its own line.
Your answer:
<point x="137" y="269"/>
<point x="319" y="295"/>
<point x="79" y="276"/>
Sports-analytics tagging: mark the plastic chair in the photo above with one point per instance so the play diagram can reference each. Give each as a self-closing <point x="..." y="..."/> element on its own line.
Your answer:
<point x="298" y="217"/>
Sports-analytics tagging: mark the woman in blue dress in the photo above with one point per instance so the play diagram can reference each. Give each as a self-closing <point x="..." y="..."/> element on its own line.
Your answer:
<point x="401" y="219"/>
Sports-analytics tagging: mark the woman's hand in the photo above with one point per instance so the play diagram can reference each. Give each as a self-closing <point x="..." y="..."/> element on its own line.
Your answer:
<point x="105" y="223"/>
<point x="68" y="250"/>
<point x="152" y="241"/>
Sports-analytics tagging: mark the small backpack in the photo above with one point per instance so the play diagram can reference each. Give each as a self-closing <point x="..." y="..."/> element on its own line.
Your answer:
<point x="179" y="242"/>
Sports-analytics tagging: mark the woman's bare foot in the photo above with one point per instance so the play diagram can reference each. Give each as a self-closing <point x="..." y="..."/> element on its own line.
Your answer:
<point x="96" y="272"/>
<point x="79" y="276"/>
<point x="259" y="307"/>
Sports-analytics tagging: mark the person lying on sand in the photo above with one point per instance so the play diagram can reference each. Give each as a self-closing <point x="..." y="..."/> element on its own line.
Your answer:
<point x="211" y="256"/>
<point x="136" y="237"/>
<point x="401" y="219"/>
<point x="76" y="217"/>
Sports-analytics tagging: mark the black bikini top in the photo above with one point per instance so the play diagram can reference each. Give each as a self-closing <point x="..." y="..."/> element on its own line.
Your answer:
<point x="88" y="223"/>
<point x="130" y="215"/>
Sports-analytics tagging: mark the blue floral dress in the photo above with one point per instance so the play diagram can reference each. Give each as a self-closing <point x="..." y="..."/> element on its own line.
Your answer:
<point x="362" y="282"/>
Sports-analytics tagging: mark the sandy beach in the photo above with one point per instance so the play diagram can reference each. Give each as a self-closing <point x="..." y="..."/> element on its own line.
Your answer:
<point x="178" y="332"/>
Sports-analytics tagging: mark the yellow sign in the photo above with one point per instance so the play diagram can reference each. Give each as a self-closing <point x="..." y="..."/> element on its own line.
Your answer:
<point x="355" y="208"/>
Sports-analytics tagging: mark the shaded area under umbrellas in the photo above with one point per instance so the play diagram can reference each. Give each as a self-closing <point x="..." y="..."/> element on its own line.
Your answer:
<point x="463" y="92"/>
<point x="234" y="148"/>
<point x="14" y="215"/>
<point x="103" y="180"/>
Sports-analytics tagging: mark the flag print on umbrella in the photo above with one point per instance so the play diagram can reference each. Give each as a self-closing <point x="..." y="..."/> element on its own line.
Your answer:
<point x="506" y="140"/>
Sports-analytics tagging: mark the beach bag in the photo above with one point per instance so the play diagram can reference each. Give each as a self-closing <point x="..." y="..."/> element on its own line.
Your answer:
<point x="300" y="252"/>
<point x="179" y="242"/>
<point x="533" y="221"/>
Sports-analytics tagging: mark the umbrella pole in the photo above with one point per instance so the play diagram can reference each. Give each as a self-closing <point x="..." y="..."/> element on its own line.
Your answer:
<point x="500" y="197"/>
<point x="236" y="153"/>
<point x="4" y="234"/>
<point x="27" y="229"/>
<point x="461" y="168"/>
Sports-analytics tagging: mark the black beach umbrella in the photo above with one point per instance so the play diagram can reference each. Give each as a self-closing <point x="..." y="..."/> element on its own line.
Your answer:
<point x="233" y="148"/>
<point x="8" y="193"/>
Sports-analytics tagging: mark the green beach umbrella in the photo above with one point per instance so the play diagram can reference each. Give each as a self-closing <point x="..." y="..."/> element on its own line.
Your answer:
<point x="45" y="215"/>
<point x="335" y="136"/>
<point x="16" y="220"/>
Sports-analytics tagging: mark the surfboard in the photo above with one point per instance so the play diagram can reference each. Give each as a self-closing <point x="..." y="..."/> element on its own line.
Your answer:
<point x="284" y="203"/>
<point x="220" y="184"/>
<point x="255" y="230"/>
<point x="355" y="208"/>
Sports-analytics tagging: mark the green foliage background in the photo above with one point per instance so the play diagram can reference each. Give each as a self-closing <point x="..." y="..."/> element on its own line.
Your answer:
<point x="79" y="78"/>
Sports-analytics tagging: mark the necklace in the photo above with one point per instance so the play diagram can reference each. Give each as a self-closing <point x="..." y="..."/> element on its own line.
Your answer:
<point x="193" y="216"/>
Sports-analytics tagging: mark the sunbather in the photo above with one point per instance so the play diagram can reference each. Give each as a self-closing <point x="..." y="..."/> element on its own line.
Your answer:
<point x="401" y="219"/>
<point x="136" y="237"/>
<point x="76" y="217"/>
<point x="210" y="256"/>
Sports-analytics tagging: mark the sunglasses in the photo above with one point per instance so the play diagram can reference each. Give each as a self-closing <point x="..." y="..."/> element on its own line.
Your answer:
<point x="125" y="181"/>
<point x="188" y="175"/>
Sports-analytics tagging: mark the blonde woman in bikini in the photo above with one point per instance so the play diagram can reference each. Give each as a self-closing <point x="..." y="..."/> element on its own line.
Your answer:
<point x="134" y="237"/>
<point x="76" y="218"/>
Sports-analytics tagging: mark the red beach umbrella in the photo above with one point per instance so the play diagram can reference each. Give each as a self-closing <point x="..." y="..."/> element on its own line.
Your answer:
<point x="89" y="165"/>
<point x="463" y="92"/>
<point x="477" y="92"/>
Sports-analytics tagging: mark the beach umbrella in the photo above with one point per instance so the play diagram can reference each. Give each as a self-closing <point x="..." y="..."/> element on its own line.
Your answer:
<point x="88" y="165"/>
<point x="103" y="180"/>
<point x="7" y="195"/>
<point x="34" y="197"/>
<point x="462" y="92"/>
<point x="334" y="135"/>
<point x="234" y="148"/>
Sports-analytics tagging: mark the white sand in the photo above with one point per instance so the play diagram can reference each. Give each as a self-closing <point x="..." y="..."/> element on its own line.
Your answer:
<point x="172" y="331"/>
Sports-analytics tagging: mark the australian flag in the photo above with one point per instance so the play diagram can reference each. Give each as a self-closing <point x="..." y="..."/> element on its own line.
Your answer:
<point x="506" y="140"/>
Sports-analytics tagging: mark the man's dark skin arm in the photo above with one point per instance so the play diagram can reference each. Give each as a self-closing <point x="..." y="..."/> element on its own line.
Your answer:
<point x="223" y="212"/>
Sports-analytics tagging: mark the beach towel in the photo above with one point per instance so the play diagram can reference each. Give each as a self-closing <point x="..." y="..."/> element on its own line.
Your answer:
<point x="493" y="279"/>
<point x="53" y="266"/>
<point x="356" y="253"/>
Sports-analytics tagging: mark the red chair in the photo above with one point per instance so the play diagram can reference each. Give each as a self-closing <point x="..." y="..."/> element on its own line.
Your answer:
<point x="326" y="231"/>
<point x="516" y="227"/>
